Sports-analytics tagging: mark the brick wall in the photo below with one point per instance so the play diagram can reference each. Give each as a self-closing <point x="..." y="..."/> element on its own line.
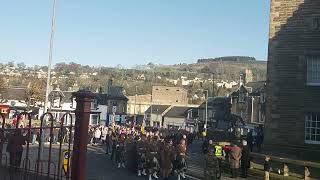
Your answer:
<point x="291" y="39"/>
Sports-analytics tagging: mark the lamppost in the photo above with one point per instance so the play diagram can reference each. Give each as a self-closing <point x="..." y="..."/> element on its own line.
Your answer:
<point x="134" y="111"/>
<point x="206" y="119"/>
<point x="213" y="93"/>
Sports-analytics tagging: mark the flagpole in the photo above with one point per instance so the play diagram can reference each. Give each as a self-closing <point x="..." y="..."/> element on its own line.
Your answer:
<point x="53" y="21"/>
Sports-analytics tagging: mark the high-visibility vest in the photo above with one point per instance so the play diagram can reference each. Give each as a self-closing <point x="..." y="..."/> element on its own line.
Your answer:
<point x="66" y="158"/>
<point x="218" y="151"/>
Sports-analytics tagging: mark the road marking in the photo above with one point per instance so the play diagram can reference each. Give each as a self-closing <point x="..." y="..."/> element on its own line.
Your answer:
<point x="190" y="177"/>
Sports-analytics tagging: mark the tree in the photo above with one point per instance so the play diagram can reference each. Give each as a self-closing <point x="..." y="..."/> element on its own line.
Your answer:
<point x="205" y="69"/>
<point x="35" y="91"/>
<point x="21" y="66"/>
<point x="10" y="64"/>
<point x="3" y="82"/>
<point x="71" y="81"/>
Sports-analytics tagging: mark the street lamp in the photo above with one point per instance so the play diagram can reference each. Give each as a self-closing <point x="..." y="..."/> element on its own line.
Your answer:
<point x="213" y="93"/>
<point x="206" y="120"/>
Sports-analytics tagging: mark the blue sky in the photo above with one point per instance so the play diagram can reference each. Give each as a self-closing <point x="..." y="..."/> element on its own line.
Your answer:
<point x="129" y="32"/>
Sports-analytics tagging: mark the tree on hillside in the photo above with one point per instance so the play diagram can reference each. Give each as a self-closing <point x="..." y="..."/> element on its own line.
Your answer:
<point x="3" y="82"/>
<point x="71" y="81"/>
<point x="10" y="64"/>
<point x="35" y="91"/>
<point x="21" y="66"/>
<point x="205" y="69"/>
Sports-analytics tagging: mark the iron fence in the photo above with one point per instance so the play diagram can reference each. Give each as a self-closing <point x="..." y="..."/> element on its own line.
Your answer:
<point x="35" y="152"/>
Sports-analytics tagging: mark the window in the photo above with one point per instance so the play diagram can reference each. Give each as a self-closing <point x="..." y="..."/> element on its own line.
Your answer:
<point x="56" y="102"/>
<point x="313" y="70"/>
<point x="156" y="124"/>
<point x="241" y="97"/>
<point x="262" y="117"/>
<point x="94" y="119"/>
<point x="316" y="23"/>
<point x="312" y="129"/>
<point x="262" y="98"/>
<point x="94" y="104"/>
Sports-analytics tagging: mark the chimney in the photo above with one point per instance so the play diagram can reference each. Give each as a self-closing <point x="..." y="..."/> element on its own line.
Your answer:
<point x="109" y="85"/>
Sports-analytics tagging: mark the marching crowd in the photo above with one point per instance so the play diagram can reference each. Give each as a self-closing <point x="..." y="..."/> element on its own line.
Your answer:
<point x="151" y="153"/>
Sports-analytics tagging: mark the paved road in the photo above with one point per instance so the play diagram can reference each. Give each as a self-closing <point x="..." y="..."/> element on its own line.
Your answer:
<point x="100" y="167"/>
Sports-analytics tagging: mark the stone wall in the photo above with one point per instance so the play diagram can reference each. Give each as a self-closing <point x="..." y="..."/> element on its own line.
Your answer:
<point x="169" y="95"/>
<point x="292" y="37"/>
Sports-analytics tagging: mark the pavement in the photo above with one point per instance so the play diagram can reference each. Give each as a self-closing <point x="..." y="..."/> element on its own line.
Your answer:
<point x="196" y="161"/>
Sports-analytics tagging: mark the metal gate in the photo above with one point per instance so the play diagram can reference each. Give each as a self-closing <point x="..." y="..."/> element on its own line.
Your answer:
<point x="33" y="149"/>
<point x="43" y="149"/>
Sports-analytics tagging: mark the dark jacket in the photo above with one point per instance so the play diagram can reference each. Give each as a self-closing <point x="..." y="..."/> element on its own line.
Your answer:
<point x="205" y="147"/>
<point x="267" y="166"/>
<point x="245" y="158"/>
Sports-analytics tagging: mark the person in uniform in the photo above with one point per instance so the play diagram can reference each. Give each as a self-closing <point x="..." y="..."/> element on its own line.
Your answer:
<point x="114" y="139"/>
<point x="2" y="140"/>
<point x="219" y="153"/>
<point x="212" y="163"/>
<point x="141" y="152"/>
<point x="245" y="159"/>
<point x="15" y="149"/>
<point x="152" y="158"/>
<point x="181" y="159"/>
<point x="120" y="150"/>
<point x="166" y="157"/>
<point x="130" y="152"/>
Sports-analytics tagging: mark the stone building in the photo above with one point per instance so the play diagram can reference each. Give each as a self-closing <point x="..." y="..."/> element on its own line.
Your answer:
<point x="248" y="102"/>
<point x="137" y="105"/>
<point x="154" y="115"/>
<point x="176" y="117"/>
<point x="62" y="102"/>
<point x="217" y="108"/>
<point x="116" y="103"/>
<point x="293" y="80"/>
<point x="169" y="95"/>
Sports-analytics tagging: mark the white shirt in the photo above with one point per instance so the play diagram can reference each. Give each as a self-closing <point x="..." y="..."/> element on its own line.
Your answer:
<point x="97" y="133"/>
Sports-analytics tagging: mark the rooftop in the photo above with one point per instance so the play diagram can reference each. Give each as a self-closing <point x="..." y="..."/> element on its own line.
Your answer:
<point x="13" y="93"/>
<point x="157" y="109"/>
<point x="177" y="111"/>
